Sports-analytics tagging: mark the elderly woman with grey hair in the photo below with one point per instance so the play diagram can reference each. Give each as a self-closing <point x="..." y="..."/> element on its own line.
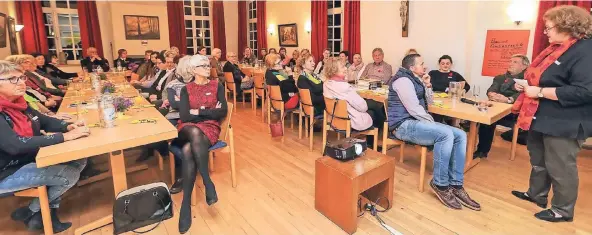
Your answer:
<point x="20" y="131"/>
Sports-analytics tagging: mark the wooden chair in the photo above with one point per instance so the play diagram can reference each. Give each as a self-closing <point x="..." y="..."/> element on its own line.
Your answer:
<point x="213" y="73"/>
<point x="306" y="112"/>
<point x="259" y="91"/>
<point x="250" y="91"/>
<point x="514" y="142"/>
<point x="336" y="118"/>
<point x="230" y="87"/>
<point x="41" y="193"/>
<point x="275" y="101"/>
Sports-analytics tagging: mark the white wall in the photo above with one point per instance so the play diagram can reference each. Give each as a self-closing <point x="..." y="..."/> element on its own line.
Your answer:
<point x="8" y="9"/>
<point x="288" y="12"/>
<point x="231" y="23"/>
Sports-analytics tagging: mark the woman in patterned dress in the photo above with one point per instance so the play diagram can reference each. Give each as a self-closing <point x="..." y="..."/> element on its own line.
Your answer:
<point x="201" y="109"/>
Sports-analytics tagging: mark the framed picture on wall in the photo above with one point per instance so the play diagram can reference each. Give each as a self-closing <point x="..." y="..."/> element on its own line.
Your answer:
<point x="3" y="24"/>
<point x="141" y="27"/>
<point x="288" y="35"/>
<point x="12" y="36"/>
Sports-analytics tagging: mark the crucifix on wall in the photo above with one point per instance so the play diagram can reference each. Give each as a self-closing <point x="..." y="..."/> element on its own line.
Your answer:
<point x="404" y="13"/>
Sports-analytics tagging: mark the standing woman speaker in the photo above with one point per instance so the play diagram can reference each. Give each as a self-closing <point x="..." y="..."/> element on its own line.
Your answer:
<point x="556" y="107"/>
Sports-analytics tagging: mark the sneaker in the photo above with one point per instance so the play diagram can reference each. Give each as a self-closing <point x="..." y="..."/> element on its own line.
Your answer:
<point x="446" y="197"/>
<point x="465" y="200"/>
<point x="552" y="216"/>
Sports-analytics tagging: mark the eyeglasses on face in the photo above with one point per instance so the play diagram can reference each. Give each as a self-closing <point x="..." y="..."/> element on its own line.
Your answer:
<point x="205" y="66"/>
<point x="547" y="29"/>
<point x="15" y="79"/>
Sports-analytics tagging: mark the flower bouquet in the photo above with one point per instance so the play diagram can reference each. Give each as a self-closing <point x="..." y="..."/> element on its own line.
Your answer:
<point x="108" y="87"/>
<point x="103" y="76"/>
<point x="121" y="105"/>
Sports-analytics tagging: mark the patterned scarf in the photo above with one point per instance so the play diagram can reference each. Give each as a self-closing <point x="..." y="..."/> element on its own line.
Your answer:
<point x="525" y="106"/>
<point x="15" y="111"/>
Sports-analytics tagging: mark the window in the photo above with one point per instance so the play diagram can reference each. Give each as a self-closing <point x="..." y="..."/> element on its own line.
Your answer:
<point x="197" y="26"/>
<point x="252" y="27"/>
<point x="62" y="28"/>
<point x="334" y="26"/>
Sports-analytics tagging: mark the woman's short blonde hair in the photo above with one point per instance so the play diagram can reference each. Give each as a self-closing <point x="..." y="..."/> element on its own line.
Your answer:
<point x="270" y="59"/>
<point x="573" y="20"/>
<point x="7" y="67"/>
<point x="300" y="62"/>
<point x="331" y="67"/>
<point x="185" y="68"/>
<point x="19" y="59"/>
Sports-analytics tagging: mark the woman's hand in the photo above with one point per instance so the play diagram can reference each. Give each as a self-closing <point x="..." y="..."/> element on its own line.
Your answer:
<point x="75" y="125"/>
<point x="532" y="91"/>
<point x="194" y="111"/>
<point x="50" y="103"/>
<point x="76" y="133"/>
<point x="518" y="87"/>
<point x="426" y="79"/>
<point x="218" y="105"/>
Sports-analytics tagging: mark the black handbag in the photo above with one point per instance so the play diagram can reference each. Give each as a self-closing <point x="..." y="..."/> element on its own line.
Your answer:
<point x="141" y="206"/>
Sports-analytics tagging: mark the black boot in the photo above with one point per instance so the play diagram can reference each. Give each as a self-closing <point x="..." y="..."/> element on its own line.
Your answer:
<point x="36" y="222"/>
<point x="177" y="187"/>
<point x="185" y="217"/>
<point x="145" y="155"/>
<point x="211" y="195"/>
<point x="22" y="214"/>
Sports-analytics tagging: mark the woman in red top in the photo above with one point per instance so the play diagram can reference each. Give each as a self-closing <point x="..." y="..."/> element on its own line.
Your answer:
<point x="202" y="107"/>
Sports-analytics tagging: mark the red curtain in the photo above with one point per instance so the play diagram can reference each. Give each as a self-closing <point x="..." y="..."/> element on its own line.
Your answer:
<point x="318" y="15"/>
<point x="540" y="39"/>
<point x="242" y="28"/>
<point x="176" y="14"/>
<point x="218" y="27"/>
<point x="33" y="37"/>
<point x="261" y="25"/>
<point x="351" y="28"/>
<point x="90" y="31"/>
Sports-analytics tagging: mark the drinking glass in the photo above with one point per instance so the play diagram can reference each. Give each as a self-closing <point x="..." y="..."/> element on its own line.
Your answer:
<point x="476" y="92"/>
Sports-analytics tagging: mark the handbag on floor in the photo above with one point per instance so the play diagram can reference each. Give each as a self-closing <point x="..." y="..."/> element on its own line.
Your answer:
<point x="141" y="206"/>
<point x="277" y="129"/>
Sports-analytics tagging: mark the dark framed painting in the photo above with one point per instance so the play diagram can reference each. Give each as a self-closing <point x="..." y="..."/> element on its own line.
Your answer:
<point x="3" y="24"/>
<point x="12" y="36"/>
<point x="288" y="35"/>
<point x="141" y="27"/>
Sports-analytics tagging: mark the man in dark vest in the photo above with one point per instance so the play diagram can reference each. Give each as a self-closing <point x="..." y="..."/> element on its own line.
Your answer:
<point x="410" y="93"/>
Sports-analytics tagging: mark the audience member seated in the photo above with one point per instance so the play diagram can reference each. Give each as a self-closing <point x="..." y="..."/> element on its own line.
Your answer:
<point x="216" y="64"/>
<point x="320" y="64"/>
<point x="294" y="59"/>
<point x="379" y="70"/>
<point x="409" y="95"/>
<point x="262" y="54"/>
<point x="276" y="76"/>
<point x="304" y="52"/>
<point x="355" y="70"/>
<point x="143" y="68"/>
<point x="283" y="55"/>
<point x="249" y="57"/>
<point x="93" y="61"/>
<point x="344" y="57"/>
<point x="502" y="90"/>
<point x="150" y="74"/>
<point x="42" y="84"/>
<point x="50" y="67"/>
<point x="202" y="51"/>
<point x="307" y="79"/>
<point x="201" y="109"/>
<point x="242" y="81"/>
<point x="442" y="77"/>
<point x="364" y="114"/>
<point x="20" y="128"/>
<point x="122" y="60"/>
<point x="38" y="61"/>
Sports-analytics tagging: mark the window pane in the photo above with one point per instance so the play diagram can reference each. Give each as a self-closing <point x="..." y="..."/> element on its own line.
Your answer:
<point x="190" y="51"/>
<point x="61" y="4"/>
<point x="255" y="36"/>
<point x="209" y="51"/>
<point x="67" y="44"/>
<point x="77" y="43"/>
<point x="78" y="54"/>
<point x="69" y="54"/>
<point x="206" y="12"/>
<point x="337" y="46"/>
<point x="330" y="20"/>
<point x="187" y="3"/>
<point x="207" y="33"/>
<point x="187" y="11"/>
<point x="251" y="36"/>
<point x="47" y="19"/>
<point x="329" y="44"/>
<point x="330" y="33"/>
<point x="207" y="42"/>
<point x="188" y="24"/>
<point x="337" y="19"/>
<point x="190" y="42"/>
<point x="198" y="33"/>
<point x="198" y="11"/>
<point x="198" y="24"/>
<point x="204" y="3"/>
<point x="197" y="3"/>
<point x="330" y="4"/>
<point x="63" y="19"/>
<point x="45" y="3"/>
<point x="189" y="33"/>
<point x="207" y="24"/>
<point x="250" y="15"/>
<point x="337" y="3"/>
<point x="51" y="43"/>
<point x="73" y="4"/>
<point x="49" y="31"/>
<point x="65" y="31"/>
<point x="337" y="34"/>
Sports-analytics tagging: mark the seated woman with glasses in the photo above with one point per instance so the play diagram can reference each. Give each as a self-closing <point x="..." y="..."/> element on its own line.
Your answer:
<point x="20" y="131"/>
<point x="201" y="109"/>
<point x="276" y="76"/>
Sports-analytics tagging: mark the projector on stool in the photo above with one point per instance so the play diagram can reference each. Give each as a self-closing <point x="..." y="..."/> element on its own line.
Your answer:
<point x="345" y="149"/>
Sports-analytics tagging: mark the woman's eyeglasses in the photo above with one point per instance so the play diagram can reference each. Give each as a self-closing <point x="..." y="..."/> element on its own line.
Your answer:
<point x="205" y="66"/>
<point x="547" y="29"/>
<point x="15" y="80"/>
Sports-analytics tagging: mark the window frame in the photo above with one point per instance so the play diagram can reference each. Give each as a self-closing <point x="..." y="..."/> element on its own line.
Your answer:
<point x="56" y="28"/>
<point x="331" y="40"/>
<point x="252" y="11"/>
<point x="198" y="40"/>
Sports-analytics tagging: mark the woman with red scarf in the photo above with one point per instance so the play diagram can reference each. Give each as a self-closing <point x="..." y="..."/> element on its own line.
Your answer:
<point x="21" y="138"/>
<point x="555" y="107"/>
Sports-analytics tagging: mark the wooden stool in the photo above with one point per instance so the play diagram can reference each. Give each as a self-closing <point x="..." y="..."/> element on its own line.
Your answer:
<point x="338" y="185"/>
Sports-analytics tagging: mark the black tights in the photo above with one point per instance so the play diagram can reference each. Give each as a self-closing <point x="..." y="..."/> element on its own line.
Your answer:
<point x="195" y="158"/>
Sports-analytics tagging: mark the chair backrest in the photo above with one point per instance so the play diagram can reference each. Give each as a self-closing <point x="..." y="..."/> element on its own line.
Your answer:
<point x="249" y="71"/>
<point x="213" y="73"/>
<point x="336" y="111"/>
<point x="229" y="78"/>
<point x="275" y="97"/>
<point x="226" y="122"/>
<point x="259" y="84"/>
<point x="306" y="101"/>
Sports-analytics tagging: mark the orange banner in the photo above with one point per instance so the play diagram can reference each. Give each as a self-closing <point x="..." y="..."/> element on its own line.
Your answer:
<point x="500" y="45"/>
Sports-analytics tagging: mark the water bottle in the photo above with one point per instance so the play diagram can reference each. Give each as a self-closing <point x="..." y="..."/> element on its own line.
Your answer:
<point x="107" y="111"/>
<point x="119" y="68"/>
<point x="99" y="70"/>
<point x="95" y="81"/>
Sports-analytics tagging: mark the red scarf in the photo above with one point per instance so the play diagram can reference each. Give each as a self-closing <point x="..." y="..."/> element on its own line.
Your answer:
<point x="14" y="110"/>
<point x="527" y="107"/>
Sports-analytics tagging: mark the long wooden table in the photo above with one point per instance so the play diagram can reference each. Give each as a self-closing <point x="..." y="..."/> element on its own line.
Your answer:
<point x="460" y="110"/>
<point x="108" y="140"/>
<point x="251" y="71"/>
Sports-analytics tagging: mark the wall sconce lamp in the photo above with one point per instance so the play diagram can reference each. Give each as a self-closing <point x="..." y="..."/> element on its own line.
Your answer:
<point x="18" y="27"/>
<point x="307" y="27"/>
<point x="271" y="29"/>
<point x="520" y="11"/>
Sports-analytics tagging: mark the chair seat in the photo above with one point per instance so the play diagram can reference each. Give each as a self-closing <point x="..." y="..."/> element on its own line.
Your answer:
<point x="353" y="131"/>
<point x="8" y="194"/>
<point x="218" y="145"/>
<point x="391" y="136"/>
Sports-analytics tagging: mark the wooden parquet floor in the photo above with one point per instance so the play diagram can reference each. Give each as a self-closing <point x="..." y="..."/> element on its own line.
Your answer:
<point x="275" y="194"/>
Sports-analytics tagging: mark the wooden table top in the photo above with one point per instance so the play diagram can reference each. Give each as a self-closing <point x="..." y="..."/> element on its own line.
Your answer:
<point x="104" y="140"/>
<point x="250" y="71"/>
<point x="455" y="109"/>
<point x="359" y="166"/>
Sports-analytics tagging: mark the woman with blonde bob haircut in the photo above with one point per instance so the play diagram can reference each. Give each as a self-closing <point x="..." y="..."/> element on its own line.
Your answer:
<point x="277" y="76"/>
<point x="559" y="95"/>
<point x="364" y="114"/>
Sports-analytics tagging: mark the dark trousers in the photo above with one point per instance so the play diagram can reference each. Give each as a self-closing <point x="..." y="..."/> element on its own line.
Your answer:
<point x="553" y="161"/>
<point x="376" y="111"/>
<point x="486" y="132"/>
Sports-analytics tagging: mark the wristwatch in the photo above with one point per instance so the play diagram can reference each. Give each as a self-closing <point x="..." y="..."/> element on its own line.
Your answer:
<point x="540" y="94"/>
<point x="510" y="100"/>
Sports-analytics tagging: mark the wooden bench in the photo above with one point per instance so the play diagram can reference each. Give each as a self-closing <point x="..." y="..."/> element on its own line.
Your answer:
<point x="339" y="185"/>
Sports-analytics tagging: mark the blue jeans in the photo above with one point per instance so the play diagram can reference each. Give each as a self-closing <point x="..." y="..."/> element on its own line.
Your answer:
<point x="450" y="147"/>
<point x="58" y="179"/>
